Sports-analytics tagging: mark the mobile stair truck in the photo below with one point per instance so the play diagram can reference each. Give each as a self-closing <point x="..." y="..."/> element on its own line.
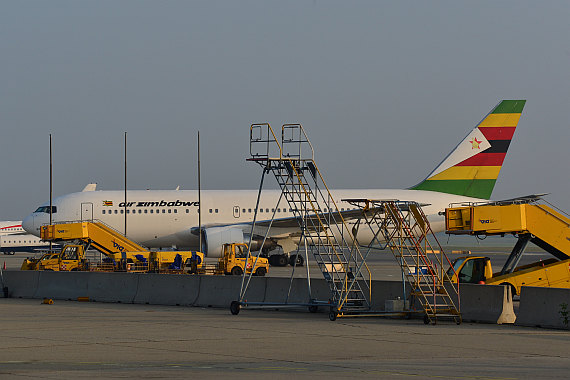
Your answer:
<point x="122" y="254"/>
<point x="536" y="223"/>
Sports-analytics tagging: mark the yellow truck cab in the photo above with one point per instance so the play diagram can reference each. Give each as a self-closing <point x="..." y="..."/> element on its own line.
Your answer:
<point x="233" y="261"/>
<point x="478" y="270"/>
<point x="71" y="258"/>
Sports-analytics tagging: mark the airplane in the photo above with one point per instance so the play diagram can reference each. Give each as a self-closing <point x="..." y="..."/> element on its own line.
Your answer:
<point x="13" y="238"/>
<point x="8" y="227"/>
<point x="169" y="218"/>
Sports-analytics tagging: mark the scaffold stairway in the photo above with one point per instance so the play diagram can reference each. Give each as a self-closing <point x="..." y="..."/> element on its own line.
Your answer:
<point x="323" y="230"/>
<point x="403" y="227"/>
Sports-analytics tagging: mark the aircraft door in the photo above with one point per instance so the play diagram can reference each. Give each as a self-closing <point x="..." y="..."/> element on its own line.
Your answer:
<point x="236" y="212"/>
<point x="87" y="212"/>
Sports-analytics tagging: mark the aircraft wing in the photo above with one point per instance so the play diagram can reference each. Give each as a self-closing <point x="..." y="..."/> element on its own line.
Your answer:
<point x="289" y="225"/>
<point x="524" y="199"/>
<point x="330" y="217"/>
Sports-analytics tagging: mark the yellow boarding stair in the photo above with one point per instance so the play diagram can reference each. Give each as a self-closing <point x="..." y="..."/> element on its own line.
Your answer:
<point x="96" y="234"/>
<point x="537" y="223"/>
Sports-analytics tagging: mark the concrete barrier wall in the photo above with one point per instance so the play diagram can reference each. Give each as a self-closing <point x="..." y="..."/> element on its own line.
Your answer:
<point x="64" y="285"/>
<point x="175" y="289"/>
<point x="21" y="284"/>
<point x="278" y="289"/>
<point x="112" y="287"/>
<point x="486" y="303"/>
<point x="387" y="290"/>
<point x="481" y="303"/>
<point x="544" y="307"/>
<point x="220" y="291"/>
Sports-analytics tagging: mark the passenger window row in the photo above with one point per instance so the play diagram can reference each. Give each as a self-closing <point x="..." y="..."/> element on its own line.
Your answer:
<point x="146" y="211"/>
<point x="211" y="211"/>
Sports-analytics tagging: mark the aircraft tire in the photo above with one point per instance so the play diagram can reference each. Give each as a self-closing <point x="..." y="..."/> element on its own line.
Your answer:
<point x="298" y="258"/>
<point x="281" y="260"/>
<point x="271" y="260"/>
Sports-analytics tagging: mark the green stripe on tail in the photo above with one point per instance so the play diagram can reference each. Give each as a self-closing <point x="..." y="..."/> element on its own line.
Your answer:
<point x="471" y="147"/>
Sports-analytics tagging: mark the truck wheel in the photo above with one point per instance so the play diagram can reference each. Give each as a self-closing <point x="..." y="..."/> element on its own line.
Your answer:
<point x="260" y="272"/>
<point x="332" y="315"/>
<point x="313" y="308"/>
<point x="297" y="258"/>
<point x="236" y="271"/>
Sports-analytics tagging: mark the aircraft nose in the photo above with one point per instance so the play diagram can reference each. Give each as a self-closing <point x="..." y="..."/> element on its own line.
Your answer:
<point x="29" y="226"/>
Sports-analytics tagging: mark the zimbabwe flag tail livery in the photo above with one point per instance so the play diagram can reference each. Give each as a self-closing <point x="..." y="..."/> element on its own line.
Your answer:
<point x="473" y="166"/>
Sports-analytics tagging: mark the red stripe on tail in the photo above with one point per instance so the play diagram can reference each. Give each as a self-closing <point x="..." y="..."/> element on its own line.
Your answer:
<point x="498" y="133"/>
<point x="484" y="159"/>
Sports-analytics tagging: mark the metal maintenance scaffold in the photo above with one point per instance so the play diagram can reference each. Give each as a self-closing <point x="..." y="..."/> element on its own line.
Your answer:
<point x="403" y="227"/>
<point x="325" y="234"/>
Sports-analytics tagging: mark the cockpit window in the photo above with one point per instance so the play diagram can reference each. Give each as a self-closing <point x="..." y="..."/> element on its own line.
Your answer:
<point x="46" y="209"/>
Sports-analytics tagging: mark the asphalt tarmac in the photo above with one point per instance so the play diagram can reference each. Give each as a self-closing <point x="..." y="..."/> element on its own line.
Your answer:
<point x="87" y="340"/>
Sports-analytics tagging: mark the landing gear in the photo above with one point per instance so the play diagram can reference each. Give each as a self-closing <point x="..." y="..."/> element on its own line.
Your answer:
<point x="282" y="260"/>
<point x="296" y="260"/>
<point x="278" y="260"/>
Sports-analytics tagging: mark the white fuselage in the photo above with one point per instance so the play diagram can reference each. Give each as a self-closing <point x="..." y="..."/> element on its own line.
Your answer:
<point x="164" y="218"/>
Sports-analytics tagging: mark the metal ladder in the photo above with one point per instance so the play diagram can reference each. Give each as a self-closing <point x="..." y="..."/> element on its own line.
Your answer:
<point x="324" y="232"/>
<point x="404" y="228"/>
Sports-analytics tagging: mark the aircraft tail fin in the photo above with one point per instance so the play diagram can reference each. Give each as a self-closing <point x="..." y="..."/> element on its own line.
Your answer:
<point x="472" y="168"/>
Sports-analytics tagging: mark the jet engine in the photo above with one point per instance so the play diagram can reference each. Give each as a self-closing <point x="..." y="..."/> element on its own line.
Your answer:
<point x="215" y="237"/>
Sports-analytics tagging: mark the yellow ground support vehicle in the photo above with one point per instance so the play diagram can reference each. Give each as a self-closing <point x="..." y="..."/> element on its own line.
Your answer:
<point x="121" y="253"/>
<point x="477" y="269"/>
<point x="233" y="262"/>
<point x="536" y="223"/>
<point x="71" y="258"/>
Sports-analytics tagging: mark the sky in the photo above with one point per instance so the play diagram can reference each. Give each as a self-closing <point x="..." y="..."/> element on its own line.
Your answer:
<point x="384" y="89"/>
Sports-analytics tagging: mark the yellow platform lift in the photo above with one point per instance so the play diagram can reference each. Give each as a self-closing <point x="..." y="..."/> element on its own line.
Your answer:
<point x="536" y="223"/>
